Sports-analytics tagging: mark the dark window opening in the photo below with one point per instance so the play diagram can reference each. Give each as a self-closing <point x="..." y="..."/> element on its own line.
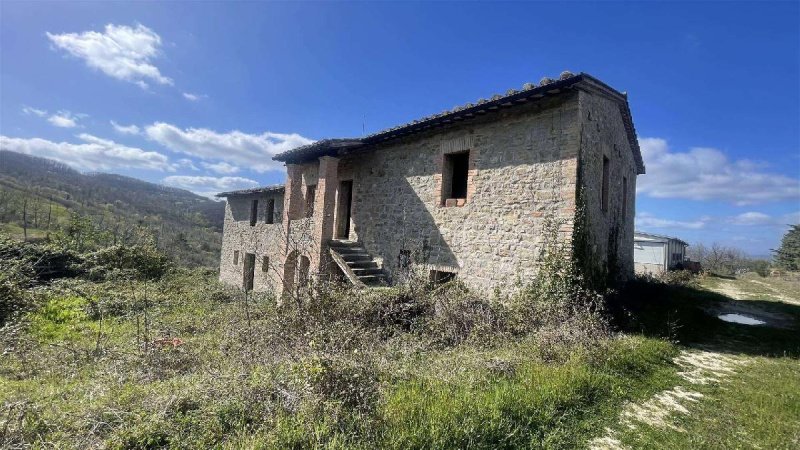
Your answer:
<point x="265" y="264"/>
<point x="344" y="209"/>
<point x="236" y="257"/>
<point x="441" y="277"/>
<point x="249" y="270"/>
<point x="270" y="217"/>
<point x="305" y="265"/>
<point x="604" y="192"/>
<point x="253" y="213"/>
<point x="310" y="193"/>
<point x="455" y="178"/>
<point x="624" y="197"/>
<point x="404" y="259"/>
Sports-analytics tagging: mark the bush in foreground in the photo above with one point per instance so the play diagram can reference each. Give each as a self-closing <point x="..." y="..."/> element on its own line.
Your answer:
<point x="166" y="357"/>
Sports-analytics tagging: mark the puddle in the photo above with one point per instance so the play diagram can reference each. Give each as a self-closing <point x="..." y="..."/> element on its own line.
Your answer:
<point x="741" y="319"/>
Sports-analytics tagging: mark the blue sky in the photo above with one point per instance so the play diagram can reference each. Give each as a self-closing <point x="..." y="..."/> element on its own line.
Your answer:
<point x="200" y="95"/>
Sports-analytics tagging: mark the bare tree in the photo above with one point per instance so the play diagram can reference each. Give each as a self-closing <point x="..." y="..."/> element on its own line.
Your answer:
<point x="719" y="259"/>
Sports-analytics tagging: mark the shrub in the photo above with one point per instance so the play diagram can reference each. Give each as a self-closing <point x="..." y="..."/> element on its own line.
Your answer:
<point x="45" y="262"/>
<point x="16" y="296"/>
<point x="459" y="314"/>
<point x="141" y="262"/>
<point x="677" y="278"/>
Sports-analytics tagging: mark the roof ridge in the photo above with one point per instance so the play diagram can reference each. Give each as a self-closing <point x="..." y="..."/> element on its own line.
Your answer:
<point x="547" y="86"/>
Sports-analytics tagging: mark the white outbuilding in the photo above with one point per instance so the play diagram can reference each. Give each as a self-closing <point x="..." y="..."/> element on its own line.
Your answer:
<point x="654" y="254"/>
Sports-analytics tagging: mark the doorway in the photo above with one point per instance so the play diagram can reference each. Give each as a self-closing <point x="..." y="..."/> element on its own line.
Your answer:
<point x="249" y="270"/>
<point x="345" y="202"/>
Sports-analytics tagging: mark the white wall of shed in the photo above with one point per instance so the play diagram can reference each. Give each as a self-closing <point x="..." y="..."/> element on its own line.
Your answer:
<point x="648" y="252"/>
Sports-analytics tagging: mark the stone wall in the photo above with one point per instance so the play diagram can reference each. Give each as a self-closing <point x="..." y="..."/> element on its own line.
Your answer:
<point x="263" y="240"/>
<point x="603" y="134"/>
<point x="524" y="168"/>
<point x="522" y="172"/>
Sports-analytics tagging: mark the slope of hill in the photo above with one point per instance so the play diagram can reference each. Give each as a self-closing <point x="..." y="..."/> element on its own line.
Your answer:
<point x="42" y="193"/>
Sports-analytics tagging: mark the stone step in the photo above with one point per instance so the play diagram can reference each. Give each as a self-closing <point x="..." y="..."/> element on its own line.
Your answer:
<point x="356" y="257"/>
<point x="341" y="244"/>
<point x="367" y="271"/>
<point x="369" y="264"/>
<point x="350" y="250"/>
<point x="358" y="262"/>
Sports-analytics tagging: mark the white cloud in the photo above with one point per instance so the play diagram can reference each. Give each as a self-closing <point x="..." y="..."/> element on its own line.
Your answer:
<point x="209" y="186"/>
<point x="27" y="110"/>
<point x="194" y="97"/>
<point x="707" y="174"/>
<point x="121" y="52"/>
<point x="754" y="218"/>
<point x="92" y="154"/>
<point x="64" y="119"/>
<point x="646" y="220"/>
<point x="221" y="168"/>
<point x="186" y="163"/>
<point x="254" y="151"/>
<point x="125" y="129"/>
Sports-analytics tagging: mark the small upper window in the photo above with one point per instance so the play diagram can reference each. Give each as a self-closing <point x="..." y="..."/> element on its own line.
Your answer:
<point x="236" y="257"/>
<point x="455" y="178"/>
<point x="265" y="264"/>
<point x="310" y="193"/>
<point x="270" y="216"/>
<point x="253" y="213"/>
<point x="604" y="187"/>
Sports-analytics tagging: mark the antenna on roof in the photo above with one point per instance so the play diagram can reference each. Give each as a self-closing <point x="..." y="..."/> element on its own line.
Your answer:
<point x="364" y="125"/>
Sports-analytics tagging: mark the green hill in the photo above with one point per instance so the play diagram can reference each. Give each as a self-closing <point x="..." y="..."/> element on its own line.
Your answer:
<point x="43" y="193"/>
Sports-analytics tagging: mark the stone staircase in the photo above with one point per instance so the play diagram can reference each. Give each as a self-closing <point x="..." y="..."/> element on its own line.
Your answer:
<point x="358" y="266"/>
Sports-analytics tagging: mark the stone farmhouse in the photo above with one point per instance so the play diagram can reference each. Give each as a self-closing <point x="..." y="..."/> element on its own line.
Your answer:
<point x="466" y="193"/>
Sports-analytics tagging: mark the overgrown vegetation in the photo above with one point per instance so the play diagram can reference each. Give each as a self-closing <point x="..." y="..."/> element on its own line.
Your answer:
<point x="39" y="197"/>
<point x="117" y="347"/>
<point x="727" y="261"/>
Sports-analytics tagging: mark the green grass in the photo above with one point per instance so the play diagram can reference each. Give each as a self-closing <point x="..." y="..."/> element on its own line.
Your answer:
<point x="538" y="406"/>
<point x="220" y="390"/>
<point x="757" y="407"/>
<point x="227" y="388"/>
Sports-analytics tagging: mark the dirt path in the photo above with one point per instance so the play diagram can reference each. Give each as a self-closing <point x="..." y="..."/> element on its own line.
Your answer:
<point x="776" y="293"/>
<point x="729" y="289"/>
<point x="698" y="367"/>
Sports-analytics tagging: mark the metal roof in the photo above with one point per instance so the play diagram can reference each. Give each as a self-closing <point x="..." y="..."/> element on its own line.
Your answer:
<point x="513" y="97"/>
<point x="255" y="190"/>
<point x="658" y="237"/>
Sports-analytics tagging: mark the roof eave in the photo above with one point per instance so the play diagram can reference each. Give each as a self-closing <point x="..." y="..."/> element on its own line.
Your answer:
<point x="253" y="191"/>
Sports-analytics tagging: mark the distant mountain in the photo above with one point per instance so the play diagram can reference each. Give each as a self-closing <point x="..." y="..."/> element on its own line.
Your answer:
<point x="186" y="225"/>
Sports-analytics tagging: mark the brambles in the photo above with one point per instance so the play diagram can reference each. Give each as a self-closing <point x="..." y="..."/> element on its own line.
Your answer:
<point x="159" y="356"/>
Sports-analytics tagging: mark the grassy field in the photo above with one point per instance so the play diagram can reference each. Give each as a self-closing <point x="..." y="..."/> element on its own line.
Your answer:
<point x="95" y="366"/>
<point x="183" y="362"/>
<point x="757" y="403"/>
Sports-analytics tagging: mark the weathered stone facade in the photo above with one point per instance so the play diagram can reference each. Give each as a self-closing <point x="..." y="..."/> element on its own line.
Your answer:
<point x="264" y="240"/>
<point x="527" y="167"/>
